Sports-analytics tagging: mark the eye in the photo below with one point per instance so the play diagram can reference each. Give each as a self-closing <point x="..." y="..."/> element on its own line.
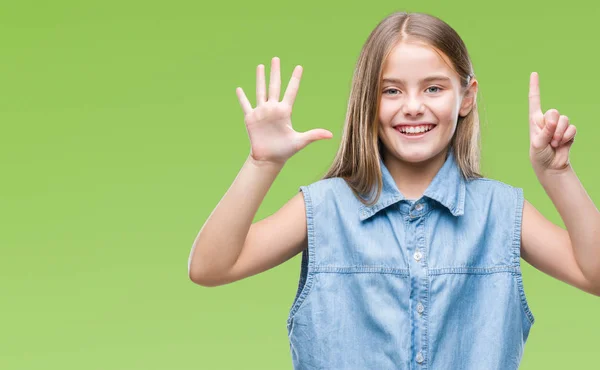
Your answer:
<point x="435" y="87"/>
<point x="392" y="89"/>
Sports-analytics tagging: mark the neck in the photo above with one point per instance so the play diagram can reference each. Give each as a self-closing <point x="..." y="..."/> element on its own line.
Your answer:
<point x="412" y="179"/>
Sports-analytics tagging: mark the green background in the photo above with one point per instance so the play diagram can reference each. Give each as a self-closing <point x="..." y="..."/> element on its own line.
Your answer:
<point x="121" y="131"/>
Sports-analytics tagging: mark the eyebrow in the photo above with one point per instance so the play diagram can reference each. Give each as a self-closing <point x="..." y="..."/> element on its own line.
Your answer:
<point x="427" y="79"/>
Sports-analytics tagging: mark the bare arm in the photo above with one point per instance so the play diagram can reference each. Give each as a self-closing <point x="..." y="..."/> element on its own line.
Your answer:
<point x="229" y="247"/>
<point x="551" y="136"/>
<point x="220" y="240"/>
<point x="548" y="248"/>
<point x="270" y="242"/>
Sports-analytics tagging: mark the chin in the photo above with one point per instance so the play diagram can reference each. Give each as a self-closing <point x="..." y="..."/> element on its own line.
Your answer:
<point x="418" y="154"/>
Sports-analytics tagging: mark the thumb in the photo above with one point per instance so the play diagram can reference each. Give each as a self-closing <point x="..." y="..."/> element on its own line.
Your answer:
<point x="314" y="135"/>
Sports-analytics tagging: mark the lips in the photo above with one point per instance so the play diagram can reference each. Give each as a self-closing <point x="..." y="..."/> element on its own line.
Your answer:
<point x="413" y="124"/>
<point x="414" y="130"/>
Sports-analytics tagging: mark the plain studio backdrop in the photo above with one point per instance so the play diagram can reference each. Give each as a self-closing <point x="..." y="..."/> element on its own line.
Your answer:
<point x="121" y="131"/>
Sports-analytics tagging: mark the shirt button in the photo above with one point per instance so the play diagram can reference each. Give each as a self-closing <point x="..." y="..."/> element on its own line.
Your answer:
<point x="420" y="308"/>
<point x="419" y="357"/>
<point x="417" y="256"/>
<point x="419" y="207"/>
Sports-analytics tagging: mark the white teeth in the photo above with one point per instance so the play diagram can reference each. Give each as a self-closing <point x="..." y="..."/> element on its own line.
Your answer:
<point x="416" y="130"/>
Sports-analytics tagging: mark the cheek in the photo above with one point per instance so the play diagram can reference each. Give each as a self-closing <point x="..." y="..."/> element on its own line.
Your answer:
<point x="385" y="112"/>
<point x="445" y="109"/>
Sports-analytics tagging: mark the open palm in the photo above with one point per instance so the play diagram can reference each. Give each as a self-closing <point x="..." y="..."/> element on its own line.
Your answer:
<point x="269" y="125"/>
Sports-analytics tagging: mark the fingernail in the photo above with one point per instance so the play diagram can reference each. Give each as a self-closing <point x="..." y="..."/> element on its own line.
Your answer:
<point x="554" y="142"/>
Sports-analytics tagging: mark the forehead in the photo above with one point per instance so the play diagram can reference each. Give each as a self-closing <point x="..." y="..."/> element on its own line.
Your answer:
<point x="415" y="61"/>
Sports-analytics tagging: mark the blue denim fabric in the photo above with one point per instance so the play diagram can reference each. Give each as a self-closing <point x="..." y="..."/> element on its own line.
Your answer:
<point x="433" y="283"/>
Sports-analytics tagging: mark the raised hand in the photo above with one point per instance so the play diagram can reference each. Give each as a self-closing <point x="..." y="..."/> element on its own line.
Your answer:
<point x="550" y="134"/>
<point x="269" y="125"/>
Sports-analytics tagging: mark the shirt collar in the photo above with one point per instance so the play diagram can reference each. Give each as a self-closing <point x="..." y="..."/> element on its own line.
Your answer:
<point x="447" y="187"/>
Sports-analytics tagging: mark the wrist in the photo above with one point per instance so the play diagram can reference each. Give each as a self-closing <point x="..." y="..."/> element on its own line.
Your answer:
<point x="268" y="165"/>
<point x="544" y="172"/>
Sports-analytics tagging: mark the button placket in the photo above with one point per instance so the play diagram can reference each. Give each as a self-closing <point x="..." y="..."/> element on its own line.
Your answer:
<point x="415" y="218"/>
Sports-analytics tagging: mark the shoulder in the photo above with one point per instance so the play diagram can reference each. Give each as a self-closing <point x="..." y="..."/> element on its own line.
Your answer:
<point x="331" y="184"/>
<point x="488" y="190"/>
<point x="333" y="190"/>
<point x="489" y="184"/>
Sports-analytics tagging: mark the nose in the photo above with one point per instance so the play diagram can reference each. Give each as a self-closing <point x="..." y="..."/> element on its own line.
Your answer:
<point x="412" y="105"/>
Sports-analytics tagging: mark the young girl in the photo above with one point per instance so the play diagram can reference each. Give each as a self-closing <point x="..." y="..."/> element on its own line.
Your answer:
<point x="410" y="258"/>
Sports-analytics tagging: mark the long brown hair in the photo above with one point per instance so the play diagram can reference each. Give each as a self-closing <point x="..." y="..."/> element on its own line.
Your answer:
<point x="357" y="159"/>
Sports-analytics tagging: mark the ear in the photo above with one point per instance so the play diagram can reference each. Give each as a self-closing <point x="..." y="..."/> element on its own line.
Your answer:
<point x="469" y="98"/>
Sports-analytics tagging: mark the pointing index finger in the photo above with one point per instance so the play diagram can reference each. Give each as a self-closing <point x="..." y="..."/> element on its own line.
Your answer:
<point x="534" y="94"/>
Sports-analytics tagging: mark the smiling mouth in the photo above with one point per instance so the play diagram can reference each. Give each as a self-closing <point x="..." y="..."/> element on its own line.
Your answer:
<point x="416" y="131"/>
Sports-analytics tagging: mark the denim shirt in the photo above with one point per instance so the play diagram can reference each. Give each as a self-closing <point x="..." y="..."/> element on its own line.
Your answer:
<point x="433" y="283"/>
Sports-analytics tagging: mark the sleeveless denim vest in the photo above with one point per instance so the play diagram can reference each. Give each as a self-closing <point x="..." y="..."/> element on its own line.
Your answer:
<point x="433" y="283"/>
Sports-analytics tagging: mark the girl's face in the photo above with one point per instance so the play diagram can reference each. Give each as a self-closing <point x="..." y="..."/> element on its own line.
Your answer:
<point x="421" y="99"/>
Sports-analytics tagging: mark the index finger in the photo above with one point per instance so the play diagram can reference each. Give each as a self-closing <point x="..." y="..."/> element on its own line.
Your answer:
<point x="292" y="89"/>
<point x="534" y="94"/>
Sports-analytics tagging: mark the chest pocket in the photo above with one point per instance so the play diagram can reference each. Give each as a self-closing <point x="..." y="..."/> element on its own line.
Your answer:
<point x="346" y="241"/>
<point x="468" y="241"/>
